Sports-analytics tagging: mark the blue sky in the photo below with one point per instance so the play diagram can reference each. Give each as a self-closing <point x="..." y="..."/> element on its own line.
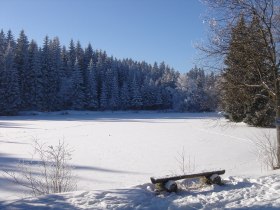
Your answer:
<point x="149" y="30"/>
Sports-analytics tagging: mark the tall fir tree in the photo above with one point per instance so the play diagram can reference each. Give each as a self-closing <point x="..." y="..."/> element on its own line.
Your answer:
<point x="11" y="87"/>
<point x="78" y="97"/>
<point x="124" y="97"/>
<point x="2" y="70"/>
<point x="10" y="40"/>
<point x="21" y="61"/>
<point x="246" y="65"/>
<point x="136" y="100"/>
<point x="71" y="55"/>
<point x="104" y="97"/>
<point x="114" y="101"/>
<point x="36" y="80"/>
<point x="92" y="97"/>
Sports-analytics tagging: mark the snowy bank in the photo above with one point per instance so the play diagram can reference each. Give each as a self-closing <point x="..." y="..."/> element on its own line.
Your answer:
<point x="238" y="193"/>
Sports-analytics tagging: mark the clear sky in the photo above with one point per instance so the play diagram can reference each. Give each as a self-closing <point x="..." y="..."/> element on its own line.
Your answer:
<point x="149" y="30"/>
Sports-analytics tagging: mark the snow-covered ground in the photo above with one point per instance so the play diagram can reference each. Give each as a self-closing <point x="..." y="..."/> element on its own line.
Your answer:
<point x="115" y="154"/>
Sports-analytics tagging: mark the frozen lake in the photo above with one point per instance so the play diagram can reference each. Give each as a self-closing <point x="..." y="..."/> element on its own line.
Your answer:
<point x="121" y="149"/>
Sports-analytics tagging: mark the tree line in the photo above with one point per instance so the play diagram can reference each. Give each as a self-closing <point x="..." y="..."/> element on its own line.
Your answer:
<point x="54" y="77"/>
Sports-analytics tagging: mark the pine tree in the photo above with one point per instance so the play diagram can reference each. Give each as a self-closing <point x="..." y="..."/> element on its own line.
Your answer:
<point x="3" y="43"/>
<point x="114" y="101"/>
<point x="66" y="85"/>
<point x="72" y="55"/>
<point x="50" y="77"/>
<point x="260" y="110"/>
<point x="246" y="66"/>
<point x="149" y="93"/>
<point x="56" y="72"/>
<point x="88" y="55"/>
<point x="2" y="70"/>
<point x="100" y="74"/>
<point x="11" y="95"/>
<point x="78" y="96"/>
<point x="80" y="55"/>
<point x="166" y="96"/>
<point x="36" y="80"/>
<point x="66" y="72"/>
<point x="159" y="101"/>
<point x="10" y="40"/>
<point x="124" y="97"/>
<point x="21" y="60"/>
<point x="104" y="97"/>
<point x="92" y="99"/>
<point x="136" y="100"/>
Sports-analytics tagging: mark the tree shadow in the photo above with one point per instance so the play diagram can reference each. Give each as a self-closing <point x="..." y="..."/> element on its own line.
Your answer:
<point x="105" y="170"/>
<point x="53" y="201"/>
<point x="11" y="142"/>
<point x="8" y="124"/>
<point x="12" y="165"/>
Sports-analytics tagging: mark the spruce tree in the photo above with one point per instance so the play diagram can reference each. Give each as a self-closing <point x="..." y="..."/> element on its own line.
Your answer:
<point x="36" y="80"/>
<point x="104" y="97"/>
<point x="114" y="101"/>
<point x="92" y="99"/>
<point x="124" y="97"/>
<point x="245" y="67"/>
<point x="11" y="87"/>
<point x="21" y="61"/>
<point x="71" y="55"/>
<point x="136" y="100"/>
<point x="2" y="70"/>
<point x="78" y="97"/>
<point x="49" y="75"/>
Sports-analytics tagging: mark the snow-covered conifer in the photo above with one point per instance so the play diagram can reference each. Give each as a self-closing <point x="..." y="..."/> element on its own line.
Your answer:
<point x="78" y="97"/>
<point x="124" y="97"/>
<point x="136" y="100"/>
<point x="104" y="97"/>
<point x="21" y="61"/>
<point x="11" y="87"/>
<point x="114" y="101"/>
<point x="92" y="99"/>
<point x="36" y="80"/>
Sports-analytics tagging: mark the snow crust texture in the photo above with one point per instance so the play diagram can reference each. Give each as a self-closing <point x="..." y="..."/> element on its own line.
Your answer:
<point x="237" y="193"/>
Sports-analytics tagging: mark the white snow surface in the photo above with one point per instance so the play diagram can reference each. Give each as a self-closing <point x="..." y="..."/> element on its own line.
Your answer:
<point x="116" y="153"/>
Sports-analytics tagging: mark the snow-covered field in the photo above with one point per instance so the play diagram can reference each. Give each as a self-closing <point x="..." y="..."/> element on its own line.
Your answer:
<point x="115" y="154"/>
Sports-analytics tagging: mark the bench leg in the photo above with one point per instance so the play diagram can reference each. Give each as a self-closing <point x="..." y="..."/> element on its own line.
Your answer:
<point x="214" y="179"/>
<point x="171" y="186"/>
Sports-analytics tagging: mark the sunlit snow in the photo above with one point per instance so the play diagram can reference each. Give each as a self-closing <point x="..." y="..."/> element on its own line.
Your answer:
<point x="116" y="153"/>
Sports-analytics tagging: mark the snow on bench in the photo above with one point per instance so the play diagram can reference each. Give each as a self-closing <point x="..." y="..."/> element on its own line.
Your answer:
<point x="168" y="182"/>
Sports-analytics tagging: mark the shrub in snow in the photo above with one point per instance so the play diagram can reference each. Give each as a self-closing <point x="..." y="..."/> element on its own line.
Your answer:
<point x="185" y="164"/>
<point x="266" y="150"/>
<point x="48" y="171"/>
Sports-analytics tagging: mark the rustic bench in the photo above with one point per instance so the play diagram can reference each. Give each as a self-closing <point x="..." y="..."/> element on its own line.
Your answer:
<point x="168" y="183"/>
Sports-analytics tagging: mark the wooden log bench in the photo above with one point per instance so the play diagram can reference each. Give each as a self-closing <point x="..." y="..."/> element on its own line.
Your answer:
<point x="168" y="183"/>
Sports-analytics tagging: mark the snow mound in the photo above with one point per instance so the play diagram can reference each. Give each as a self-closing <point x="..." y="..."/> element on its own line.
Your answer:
<point x="240" y="193"/>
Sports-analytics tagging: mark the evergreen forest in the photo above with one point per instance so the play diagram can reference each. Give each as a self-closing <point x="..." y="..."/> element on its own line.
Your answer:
<point x="53" y="77"/>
